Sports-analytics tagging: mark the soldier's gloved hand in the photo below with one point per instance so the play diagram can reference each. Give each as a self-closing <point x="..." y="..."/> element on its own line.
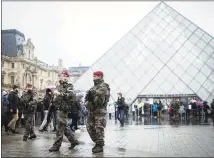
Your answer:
<point x="87" y="104"/>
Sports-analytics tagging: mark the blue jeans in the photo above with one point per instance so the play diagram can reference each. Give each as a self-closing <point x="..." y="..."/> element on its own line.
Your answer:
<point x="82" y="120"/>
<point x="120" y="116"/>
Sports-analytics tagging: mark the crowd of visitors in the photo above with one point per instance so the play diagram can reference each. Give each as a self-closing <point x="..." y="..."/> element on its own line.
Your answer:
<point x="45" y="116"/>
<point x="13" y="118"/>
<point x="176" y="109"/>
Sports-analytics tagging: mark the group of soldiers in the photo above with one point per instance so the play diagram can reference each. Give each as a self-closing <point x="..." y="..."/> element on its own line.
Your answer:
<point x="96" y="101"/>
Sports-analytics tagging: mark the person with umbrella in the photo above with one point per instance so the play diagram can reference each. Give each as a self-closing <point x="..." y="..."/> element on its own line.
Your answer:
<point x="206" y="108"/>
<point x="46" y="104"/>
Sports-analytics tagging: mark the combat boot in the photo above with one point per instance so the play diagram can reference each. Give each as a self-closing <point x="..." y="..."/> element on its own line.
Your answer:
<point x="54" y="148"/>
<point x="74" y="144"/>
<point x="97" y="149"/>
<point x="32" y="137"/>
<point x="24" y="139"/>
<point x="94" y="147"/>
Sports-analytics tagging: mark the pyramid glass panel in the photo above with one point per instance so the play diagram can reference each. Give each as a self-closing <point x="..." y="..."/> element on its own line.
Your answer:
<point x="165" y="53"/>
<point x="209" y="85"/>
<point x="203" y="93"/>
<point x="210" y="99"/>
<point x="211" y="77"/>
<point x="188" y="91"/>
<point x="206" y="70"/>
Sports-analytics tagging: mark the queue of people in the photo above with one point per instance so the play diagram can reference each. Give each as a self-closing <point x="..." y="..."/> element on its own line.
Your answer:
<point x="176" y="110"/>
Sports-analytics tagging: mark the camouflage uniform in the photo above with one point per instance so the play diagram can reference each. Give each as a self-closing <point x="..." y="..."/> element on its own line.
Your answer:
<point x="96" y="121"/>
<point x="30" y="104"/>
<point x="62" y="103"/>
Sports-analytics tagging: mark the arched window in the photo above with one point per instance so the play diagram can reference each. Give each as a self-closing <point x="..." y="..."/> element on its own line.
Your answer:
<point x="12" y="79"/>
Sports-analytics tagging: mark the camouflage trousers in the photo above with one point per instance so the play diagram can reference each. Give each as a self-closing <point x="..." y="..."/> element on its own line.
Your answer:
<point x="95" y="125"/>
<point x="63" y="129"/>
<point x="29" y="129"/>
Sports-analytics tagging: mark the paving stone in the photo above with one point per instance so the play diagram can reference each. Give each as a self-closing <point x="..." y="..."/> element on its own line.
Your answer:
<point x="132" y="140"/>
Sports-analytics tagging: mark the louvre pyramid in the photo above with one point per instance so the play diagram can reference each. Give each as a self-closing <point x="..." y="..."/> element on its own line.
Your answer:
<point x="165" y="53"/>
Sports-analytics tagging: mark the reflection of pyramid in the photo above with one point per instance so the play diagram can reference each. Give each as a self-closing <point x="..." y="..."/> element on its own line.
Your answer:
<point x="164" y="53"/>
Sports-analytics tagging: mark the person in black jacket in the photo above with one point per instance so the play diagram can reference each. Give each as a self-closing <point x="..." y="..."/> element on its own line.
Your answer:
<point x="13" y="107"/>
<point x="206" y="108"/>
<point x="74" y="114"/>
<point x="51" y="115"/>
<point x="121" y="108"/>
<point x="194" y="109"/>
<point x="46" y="104"/>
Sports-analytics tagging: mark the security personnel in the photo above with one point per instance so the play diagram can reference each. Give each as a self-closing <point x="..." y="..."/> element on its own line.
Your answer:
<point x="96" y="101"/>
<point x="29" y="102"/>
<point x="62" y="102"/>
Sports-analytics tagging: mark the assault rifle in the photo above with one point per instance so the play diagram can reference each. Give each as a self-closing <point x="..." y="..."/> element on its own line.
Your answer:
<point x="89" y="96"/>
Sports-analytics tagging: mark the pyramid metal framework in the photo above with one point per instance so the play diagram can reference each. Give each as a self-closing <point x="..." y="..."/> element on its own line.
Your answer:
<point x="164" y="53"/>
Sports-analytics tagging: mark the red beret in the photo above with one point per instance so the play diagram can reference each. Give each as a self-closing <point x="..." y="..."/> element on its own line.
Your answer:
<point x="98" y="73"/>
<point x="66" y="73"/>
<point x="29" y="85"/>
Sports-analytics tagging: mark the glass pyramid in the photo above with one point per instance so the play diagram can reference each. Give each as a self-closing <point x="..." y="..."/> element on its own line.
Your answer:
<point x="164" y="53"/>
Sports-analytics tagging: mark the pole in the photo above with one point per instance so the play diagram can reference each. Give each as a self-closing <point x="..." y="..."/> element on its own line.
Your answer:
<point x="151" y="113"/>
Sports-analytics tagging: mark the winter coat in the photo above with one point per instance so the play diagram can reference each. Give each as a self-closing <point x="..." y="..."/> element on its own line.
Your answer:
<point x="121" y="103"/>
<point x="13" y="101"/>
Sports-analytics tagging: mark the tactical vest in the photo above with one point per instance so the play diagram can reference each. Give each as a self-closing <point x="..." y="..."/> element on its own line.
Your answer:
<point x="29" y="104"/>
<point x="61" y="103"/>
<point x="107" y="95"/>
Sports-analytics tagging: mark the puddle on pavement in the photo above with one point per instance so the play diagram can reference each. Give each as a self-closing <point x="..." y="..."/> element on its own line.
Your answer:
<point x="158" y="127"/>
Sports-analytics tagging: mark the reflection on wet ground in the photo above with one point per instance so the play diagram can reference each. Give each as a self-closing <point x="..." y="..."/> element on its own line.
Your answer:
<point x="164" y="120"/>
<point x="140" y="137"/>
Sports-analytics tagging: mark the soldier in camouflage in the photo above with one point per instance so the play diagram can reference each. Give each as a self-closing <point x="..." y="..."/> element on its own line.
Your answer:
<point x="62" y="102"/>
<point x="96" y="101"/>
<point x="29" y="102"/>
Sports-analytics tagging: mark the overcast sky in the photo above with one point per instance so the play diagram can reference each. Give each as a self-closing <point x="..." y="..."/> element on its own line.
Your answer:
<point x="81" y="32"/>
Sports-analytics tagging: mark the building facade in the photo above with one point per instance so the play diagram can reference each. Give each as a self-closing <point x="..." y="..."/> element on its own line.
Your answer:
<point x="76" y="72"/>
<point x="26" y="68"/>
<point x="165" y="54"/>
<point x="12" y="42"/>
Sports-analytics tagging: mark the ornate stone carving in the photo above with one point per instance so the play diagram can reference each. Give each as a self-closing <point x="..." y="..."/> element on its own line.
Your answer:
<point x="30" y="44"/>
<point x="12" y="74"/>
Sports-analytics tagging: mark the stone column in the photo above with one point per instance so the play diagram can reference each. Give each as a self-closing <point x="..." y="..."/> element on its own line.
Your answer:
<point x="25" y="78"/>
<point x="33" y="80"/>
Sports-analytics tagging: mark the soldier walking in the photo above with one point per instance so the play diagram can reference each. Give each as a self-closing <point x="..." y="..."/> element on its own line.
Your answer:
<point x="29" y="102"/>
<point x="97" y="98"/>
<point x="62" y="102"/>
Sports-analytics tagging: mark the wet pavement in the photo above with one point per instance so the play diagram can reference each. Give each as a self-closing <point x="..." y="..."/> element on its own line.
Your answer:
<point x="139" y="138"/>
